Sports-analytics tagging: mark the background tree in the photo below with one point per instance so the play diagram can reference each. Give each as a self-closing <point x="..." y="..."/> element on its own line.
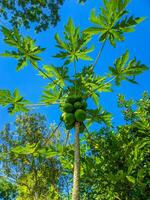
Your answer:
<point x="8" y="191"/>
<point x="75" y="88"/>
<point x="24" y="13"/>
<point x="116" y="161"/>
<point x="28" y="158"/>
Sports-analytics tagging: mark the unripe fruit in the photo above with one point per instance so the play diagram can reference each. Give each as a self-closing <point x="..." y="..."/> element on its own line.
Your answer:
<point x="77" y="105"/>
<point x="68" y="107"/>
<point x="80" y="115"/>
<point x="69" y="126"/>
<point x="69" y="118"/>
<point x="78" y="98"/>
<point x="72" y="99"/>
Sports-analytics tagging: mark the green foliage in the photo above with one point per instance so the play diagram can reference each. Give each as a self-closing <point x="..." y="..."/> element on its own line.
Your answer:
<point x="125" y="69"/>
<point x="81" y="128"/>
<point x="118" y="159"/>
<point x="26" y="48"/>
<point x="84" y="105"/>
<point x="113" y="21"/>
<point x="15" y="102"/>
<point x="7" y="189"/>
<point x="38" y="14"/>
<point x="74" y="47"/>
<point x="59" y="75"/>
<point x="91" y="84"/>
<point x="99" y="116"/>
<point x="28" y="157"/>
<point x="51" y="97"/>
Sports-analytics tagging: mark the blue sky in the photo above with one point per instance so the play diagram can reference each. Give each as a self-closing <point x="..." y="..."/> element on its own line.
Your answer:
<point x="31" y="85"/>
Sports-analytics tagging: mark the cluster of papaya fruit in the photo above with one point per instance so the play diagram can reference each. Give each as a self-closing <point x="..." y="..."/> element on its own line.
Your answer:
<point x="74" y="110"/>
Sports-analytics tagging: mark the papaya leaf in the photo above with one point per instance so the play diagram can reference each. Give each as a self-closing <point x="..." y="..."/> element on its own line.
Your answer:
<point x="112" y="21"/>
<point x="59" y="75"/>
<point x="15" y="101"/>
<point x="95" y="98"/>
<point x="91" y="83"/>
<point x="74" y="45"/>
<point x="99" y="116"/>
<point x="126" y="70"/>
<point x="51" y="96"/>
<point x="26" y="50"/>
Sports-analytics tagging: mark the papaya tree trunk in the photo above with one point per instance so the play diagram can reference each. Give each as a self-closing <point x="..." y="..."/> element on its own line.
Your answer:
<point x="76" y="174"/>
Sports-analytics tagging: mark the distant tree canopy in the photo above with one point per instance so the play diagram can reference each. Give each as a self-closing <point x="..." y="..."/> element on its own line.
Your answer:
<point x="27" y="159"/>
<point x="117" y="165"/>
<point x="44" y="13"/>
<point x="8" y="190"/>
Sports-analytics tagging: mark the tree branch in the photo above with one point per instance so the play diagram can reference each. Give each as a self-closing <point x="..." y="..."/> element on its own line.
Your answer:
<point x="46" y="75"/>
<point x="99" y="54"/>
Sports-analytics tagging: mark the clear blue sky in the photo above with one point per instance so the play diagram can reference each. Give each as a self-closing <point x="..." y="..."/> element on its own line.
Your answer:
<point x="31" y="85"/>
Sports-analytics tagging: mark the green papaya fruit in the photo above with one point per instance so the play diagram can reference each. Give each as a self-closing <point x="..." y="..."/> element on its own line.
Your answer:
<point x="72" y="99"/>
<point x="77" y="105"/>
<point x="68" y="107"/>
<point x="80" y="115"/>
<point x="69" y="126"/>
<point x="69" y="118"/>
<point x="78" y="98"/>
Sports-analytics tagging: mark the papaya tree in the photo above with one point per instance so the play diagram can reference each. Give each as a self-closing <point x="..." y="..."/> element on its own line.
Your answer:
<point x="69" y="86"/>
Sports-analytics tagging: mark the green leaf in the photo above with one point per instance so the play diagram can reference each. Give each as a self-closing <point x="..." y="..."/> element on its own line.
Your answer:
<point x="27" y="149"/>
<point x="26" y="50"/>
<point x="58" y="74"/>
<point x="12" y="54"/>
<point x="93" y="30"/>
<point x="131" y="179"/>
<point x="15" y="101"/>
<point x="22" y="62"/>
<point x="126" y="70"/>
<point x="99" y="116"/>
<point x="95" y="98"/>
<point x="112" y="22"/>
<point x="50" y="97"/>
<point x="74" y="45"/>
